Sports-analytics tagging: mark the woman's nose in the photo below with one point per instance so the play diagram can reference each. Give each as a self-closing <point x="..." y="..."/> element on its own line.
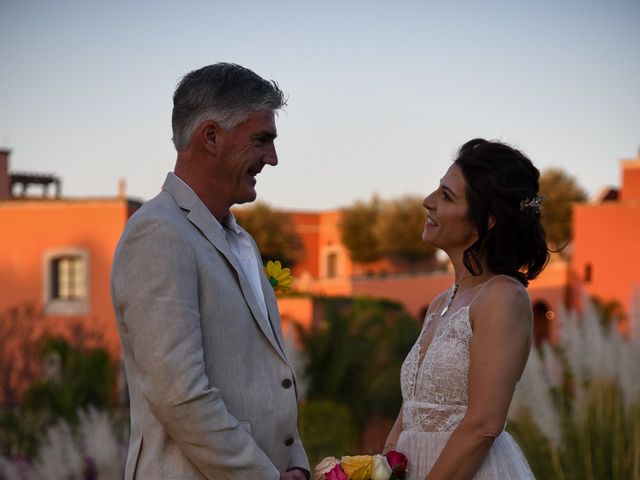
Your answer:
<point x="427" y="202"/>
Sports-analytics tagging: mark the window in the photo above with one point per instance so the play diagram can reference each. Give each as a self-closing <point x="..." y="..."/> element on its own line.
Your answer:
<point x="332" y="265"/>
<point x="68" y="278"/>
<point x="588" y="273"/>
<point x="66" y="281"/>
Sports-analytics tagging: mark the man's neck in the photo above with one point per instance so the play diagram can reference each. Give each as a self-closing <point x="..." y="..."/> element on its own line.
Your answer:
<point x="204" y="192"/>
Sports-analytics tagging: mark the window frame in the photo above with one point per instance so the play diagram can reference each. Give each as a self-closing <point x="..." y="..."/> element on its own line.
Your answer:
<point x="63" y="306"/>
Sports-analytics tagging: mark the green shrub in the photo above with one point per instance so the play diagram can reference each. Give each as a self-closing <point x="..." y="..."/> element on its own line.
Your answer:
<point x="326" y="429"/>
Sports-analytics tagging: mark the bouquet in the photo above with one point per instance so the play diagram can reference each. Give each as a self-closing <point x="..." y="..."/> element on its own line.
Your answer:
<point x="391" y="466"/>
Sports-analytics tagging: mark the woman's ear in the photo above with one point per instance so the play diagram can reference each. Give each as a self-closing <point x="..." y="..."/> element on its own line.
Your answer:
<point x="491" y="223"/>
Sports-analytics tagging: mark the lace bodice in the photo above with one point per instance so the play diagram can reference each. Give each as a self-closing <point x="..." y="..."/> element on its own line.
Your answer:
<point x="434" y="386"/>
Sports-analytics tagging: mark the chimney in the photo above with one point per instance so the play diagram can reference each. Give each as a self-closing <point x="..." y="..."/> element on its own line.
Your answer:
<point x="122" y="188"/>
<point x="630" y="179"/>
<point x="5" y="182"/>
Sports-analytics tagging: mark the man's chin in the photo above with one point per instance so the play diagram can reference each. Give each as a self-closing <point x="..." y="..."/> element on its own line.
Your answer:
<point x="247" y="197"/>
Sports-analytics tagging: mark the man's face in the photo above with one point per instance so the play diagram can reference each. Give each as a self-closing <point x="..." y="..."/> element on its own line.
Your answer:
<point x="242" y="152"/>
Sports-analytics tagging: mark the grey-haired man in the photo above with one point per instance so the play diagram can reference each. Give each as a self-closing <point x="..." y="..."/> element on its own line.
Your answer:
<point x="213" y="394"/>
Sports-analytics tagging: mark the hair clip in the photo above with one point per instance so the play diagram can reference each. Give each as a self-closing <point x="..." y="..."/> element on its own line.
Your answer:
<point x="535" y="202"/>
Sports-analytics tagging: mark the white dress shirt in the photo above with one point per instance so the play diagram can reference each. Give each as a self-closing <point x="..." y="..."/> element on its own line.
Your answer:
<point x="245" y="254"/>
<point x="242" y="249"/>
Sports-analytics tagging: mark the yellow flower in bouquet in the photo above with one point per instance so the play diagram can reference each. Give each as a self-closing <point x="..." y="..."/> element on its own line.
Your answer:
<point x="357" y="467"/>
<point x="279" y="278"/>
<point x="390" y="466"/>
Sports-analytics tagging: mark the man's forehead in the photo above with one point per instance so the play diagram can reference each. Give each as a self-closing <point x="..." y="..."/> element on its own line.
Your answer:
<point x="262" y="120"/>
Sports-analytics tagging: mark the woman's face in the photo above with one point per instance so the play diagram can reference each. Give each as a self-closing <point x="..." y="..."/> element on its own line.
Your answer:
<point x="447" y="226"/>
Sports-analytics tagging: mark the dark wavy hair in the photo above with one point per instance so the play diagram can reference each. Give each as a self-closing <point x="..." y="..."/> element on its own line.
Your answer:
<point x="498" y="179"/>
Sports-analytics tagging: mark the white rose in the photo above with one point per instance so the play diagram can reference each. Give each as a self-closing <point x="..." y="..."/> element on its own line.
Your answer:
<point x="381" y="469"/>
<point x="323" y="467"/>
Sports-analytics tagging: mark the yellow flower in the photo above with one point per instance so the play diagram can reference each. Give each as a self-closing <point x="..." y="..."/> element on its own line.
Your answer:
<point x="279" y="278"/>
<point x="357" y="467"/>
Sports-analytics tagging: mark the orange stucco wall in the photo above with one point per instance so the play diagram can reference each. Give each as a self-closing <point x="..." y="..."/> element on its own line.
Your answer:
<point x="308" y="227"/>
<point x="30" y="228"/>
<point x="630" y="180"/>
<point x="607" y="237"/>
<point x="417" y="291"/>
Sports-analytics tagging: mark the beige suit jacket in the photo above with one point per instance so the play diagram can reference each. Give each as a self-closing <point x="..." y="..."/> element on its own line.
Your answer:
<point x="212" y="392"/>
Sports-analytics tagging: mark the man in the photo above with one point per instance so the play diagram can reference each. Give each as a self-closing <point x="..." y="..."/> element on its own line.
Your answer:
<point x="213" y="394"/>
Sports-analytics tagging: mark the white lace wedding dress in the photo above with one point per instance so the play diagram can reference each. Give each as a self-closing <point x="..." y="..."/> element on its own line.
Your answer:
<point x="434" y="391"/>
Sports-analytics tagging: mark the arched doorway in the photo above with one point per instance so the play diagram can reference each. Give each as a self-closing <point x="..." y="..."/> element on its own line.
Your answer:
<point x="542" y="316"/>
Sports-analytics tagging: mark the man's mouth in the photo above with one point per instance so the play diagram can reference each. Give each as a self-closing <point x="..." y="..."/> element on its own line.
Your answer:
<point x="254" y="171"/>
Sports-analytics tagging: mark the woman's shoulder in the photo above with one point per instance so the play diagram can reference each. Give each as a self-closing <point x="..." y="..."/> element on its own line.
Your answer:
<point x="505" y="286"/>
<point x="503" y="297"/>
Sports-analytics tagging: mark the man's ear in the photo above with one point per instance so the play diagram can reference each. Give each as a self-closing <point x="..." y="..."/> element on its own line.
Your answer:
<point x="207" y="135"/>
<point x="491" y="223"/>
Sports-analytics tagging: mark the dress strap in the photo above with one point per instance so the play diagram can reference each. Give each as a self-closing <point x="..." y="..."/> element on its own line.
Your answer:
<point x="429" y="316"/>
<point x="488" y="282"/>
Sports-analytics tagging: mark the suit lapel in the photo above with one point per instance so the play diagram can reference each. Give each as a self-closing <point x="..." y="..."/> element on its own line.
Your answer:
<point x="202" y="219"/>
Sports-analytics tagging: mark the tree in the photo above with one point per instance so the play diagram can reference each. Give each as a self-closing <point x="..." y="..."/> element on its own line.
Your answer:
<point x="326" y="428"/>
<point x="85" y="377"/>
<point x="400" y="226"/>
<point x="560" y="191"/>
<point x="45" y="378"/>
<point x="274" y="232"/>
<point x="355" y="353"/>
<point x="357" y="230"/>
<point x="20" y="332"/>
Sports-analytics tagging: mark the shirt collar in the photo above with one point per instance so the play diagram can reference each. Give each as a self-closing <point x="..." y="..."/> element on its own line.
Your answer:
<point x="229" y="221"/>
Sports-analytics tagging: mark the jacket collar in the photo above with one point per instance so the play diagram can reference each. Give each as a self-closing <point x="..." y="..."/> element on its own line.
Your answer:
<point x="200" y="216"/>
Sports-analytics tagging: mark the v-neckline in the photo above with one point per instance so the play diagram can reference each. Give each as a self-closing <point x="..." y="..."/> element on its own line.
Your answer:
<point x="435" y="337"/>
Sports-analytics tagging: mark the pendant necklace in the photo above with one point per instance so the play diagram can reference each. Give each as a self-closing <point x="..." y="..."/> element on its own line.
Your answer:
<point x="454" y="290"/>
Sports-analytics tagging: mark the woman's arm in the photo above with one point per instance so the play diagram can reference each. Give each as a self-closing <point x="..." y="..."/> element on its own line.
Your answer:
<point x="394" y="434"/>
<point x="502" y="324"/>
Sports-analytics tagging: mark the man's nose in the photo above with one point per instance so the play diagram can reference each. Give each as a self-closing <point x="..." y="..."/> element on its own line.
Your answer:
<point x="271" y="157"/>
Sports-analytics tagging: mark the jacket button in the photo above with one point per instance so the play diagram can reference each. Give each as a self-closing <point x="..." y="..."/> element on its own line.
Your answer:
<point x="286" y="383"/>
<point x="288" y="442"/>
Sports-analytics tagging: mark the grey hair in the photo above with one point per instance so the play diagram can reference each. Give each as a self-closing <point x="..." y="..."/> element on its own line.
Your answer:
<point x="225" y="93"/>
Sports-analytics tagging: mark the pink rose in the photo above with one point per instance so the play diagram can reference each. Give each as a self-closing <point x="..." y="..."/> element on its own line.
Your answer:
<point x="322" y="468"/>
<point x="336" y="473"/>
<point x="398" y="463"/>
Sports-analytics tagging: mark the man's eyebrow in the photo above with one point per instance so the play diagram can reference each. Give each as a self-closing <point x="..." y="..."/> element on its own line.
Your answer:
<point x="265" y="134"/>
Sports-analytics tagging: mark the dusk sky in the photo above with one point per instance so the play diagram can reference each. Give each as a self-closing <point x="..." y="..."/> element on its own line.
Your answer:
<point x="381" y="94"/>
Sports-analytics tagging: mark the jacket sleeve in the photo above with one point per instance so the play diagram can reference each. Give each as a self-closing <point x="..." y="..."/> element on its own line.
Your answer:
<point x="298" y="456"/>
<point x="155" y="290"/>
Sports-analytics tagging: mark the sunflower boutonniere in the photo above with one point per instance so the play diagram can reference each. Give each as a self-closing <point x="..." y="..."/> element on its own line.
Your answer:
<point x="279" y="278"/>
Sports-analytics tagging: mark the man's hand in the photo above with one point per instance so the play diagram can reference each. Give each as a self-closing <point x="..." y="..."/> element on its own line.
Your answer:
<point x="293" y="475"/>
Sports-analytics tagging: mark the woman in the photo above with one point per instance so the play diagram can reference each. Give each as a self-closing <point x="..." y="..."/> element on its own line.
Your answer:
<point x="458" y="380"/>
